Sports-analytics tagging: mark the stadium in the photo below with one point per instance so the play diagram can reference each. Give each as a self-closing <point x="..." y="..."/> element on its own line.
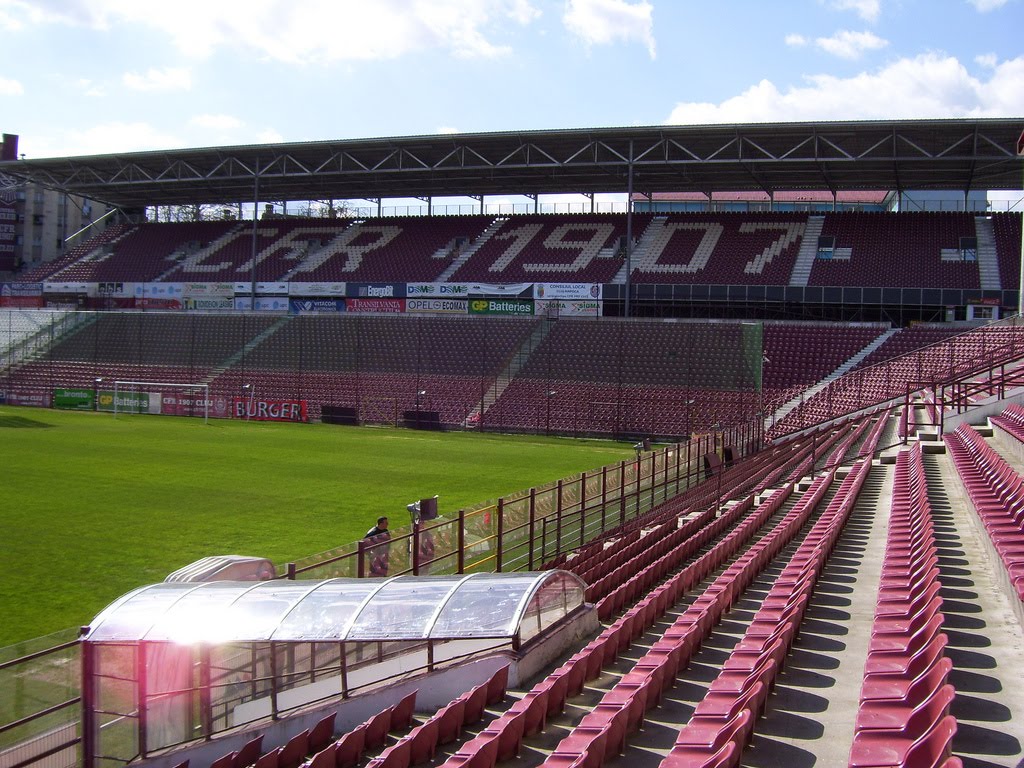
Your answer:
<point x="811" y="554"/>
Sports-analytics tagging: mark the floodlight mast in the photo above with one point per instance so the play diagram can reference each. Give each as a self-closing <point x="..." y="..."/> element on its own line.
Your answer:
<point x="1020" y="288"/>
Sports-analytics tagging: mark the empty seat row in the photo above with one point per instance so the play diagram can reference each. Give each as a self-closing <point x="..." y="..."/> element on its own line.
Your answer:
<point x="996" y="491"/>
<point x="903" y="718"/>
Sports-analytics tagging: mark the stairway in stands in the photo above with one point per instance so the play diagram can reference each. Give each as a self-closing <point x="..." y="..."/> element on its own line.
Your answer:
<point x="515" y="364"/>
<point x="472" y="248"/>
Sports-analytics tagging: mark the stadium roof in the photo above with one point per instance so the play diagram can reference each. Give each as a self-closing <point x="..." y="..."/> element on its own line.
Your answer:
<point x="480" y="605"/>
<point x="960" y="154"/>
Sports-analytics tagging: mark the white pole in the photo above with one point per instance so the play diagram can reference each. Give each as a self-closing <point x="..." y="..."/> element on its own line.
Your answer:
<point x="1020" y="288"/>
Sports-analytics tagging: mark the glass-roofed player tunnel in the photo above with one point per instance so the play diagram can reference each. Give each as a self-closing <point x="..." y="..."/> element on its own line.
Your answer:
<point x="172" y="663"/>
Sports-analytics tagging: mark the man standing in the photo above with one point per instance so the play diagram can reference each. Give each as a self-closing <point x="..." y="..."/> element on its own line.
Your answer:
<point x="378" y="539"/>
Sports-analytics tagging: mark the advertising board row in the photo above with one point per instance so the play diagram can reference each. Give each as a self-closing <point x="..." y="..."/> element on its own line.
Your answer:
<point x="305" y="297"/>
<point x="512" y="307"/>
<point x="166" y="403"/>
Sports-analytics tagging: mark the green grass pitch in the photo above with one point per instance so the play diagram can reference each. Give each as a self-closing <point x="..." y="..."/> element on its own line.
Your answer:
<point x="92" y="506"/>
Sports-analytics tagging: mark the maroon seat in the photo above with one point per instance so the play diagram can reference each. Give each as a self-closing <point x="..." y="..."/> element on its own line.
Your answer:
<point x="449" y="721"/>
<point x="423" y="740"/>
<point x="476" y="703"/>
<point x="325" y="758"/>
<point x="496" y="686"/>
<point x="398" y="755"/>
<point x="322" y="733"/>
<point x="349" y="747"/>
<point x="878" y="748"/>
<point x="508" y="730"/>
<point x="249" y="753"/>
<point x="271" y="759"/>
<point x="295" y="750"/>
<point x="402" y="713"/>
<point x="377" y="728"/>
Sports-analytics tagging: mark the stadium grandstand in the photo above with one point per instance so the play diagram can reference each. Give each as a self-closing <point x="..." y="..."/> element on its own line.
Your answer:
<point x="817" y="557"/>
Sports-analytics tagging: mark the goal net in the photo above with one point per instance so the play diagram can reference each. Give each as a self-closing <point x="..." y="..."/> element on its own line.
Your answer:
<point x="167" y="398"/>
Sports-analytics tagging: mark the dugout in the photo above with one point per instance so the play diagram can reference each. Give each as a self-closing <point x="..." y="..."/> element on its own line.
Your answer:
<point x="172" y="663"/>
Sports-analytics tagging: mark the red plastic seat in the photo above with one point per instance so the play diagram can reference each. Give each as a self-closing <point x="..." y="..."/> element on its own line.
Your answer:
<point x="423" y="742"/>
<point x="883" y="748"/>
<point x="449" y="721"/>
<point x="476" y="703"/>
<point x="686" y="757"/>
<point x="325" y="758"/>
<point x="249" y="753"/>
<point x="377" y="727"/>
<point x="349" y="747"/>
<point x="269" y="759"/>
<point x="398" y="755"/>
<point x="508" y="730"/>
<point x="894" y="715"/>
<point x="295" y="750"/>
<point x="402" y="713"/>
<point x="322" y="733"/>
<point x="496" y="686"/>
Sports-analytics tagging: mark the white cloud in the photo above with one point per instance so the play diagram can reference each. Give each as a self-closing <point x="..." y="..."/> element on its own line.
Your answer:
<point x="927" y="86"/>
<point x="88" y="88"/>
<point x="312" y="31"/>
<point x="600" y="22"/>
<point x="795" y="41"/>
<point x="166" y="79"/>
<point x="850" y="45"/>
<point x="984" y="6"/>
<point x="10" y="87"/>
<point x="523" y="12"/>
<point x="215" y="122"/>
<point x="105" y="138"/>
<point x="446" y="129"/>
<point x="269" y="136"/>
<point x="987" y="60"/>
<point x="869" y="10"/>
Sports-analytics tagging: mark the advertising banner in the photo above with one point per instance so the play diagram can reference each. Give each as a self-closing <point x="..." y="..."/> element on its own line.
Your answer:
<point x="128" y="402"/>
<point x="115" y="290"/>
<point x="262" y="289"/>
<point x="507" y="307"/>
<point x="523" y="290"/>
<point x="437" y="306"/>
<point x="193" y="404"/>
<point x="21" y="289"/>
<point x="74" y="399"/>
<point x="87" y="289"/>
<point x="375" y="290"/>
<point x="22" y="302"/>
<point x="263" y="303"/>
<point x="37" y="399"/>
<point x="316" y="289"/>
<point x="158" y="295"/>
<point x="388" y="306"/>
<point x="568" y="308"/>
<point x="441" y="290"/>
<point x="567" y="291"/>
<point x="312" y="306"/>
<point x="260" y="409"/>
<point x="21" y="295"/>
<point x="196" y="290"/>
<point x="109" y="302"/>
<point x="209" y="303"/>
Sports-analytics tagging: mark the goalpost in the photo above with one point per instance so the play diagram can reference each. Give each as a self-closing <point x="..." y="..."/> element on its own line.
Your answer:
<point x="168" y="398"/>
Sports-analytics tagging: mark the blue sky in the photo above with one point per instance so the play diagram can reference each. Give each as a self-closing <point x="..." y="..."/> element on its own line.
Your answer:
<point x="89" y="76"/>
